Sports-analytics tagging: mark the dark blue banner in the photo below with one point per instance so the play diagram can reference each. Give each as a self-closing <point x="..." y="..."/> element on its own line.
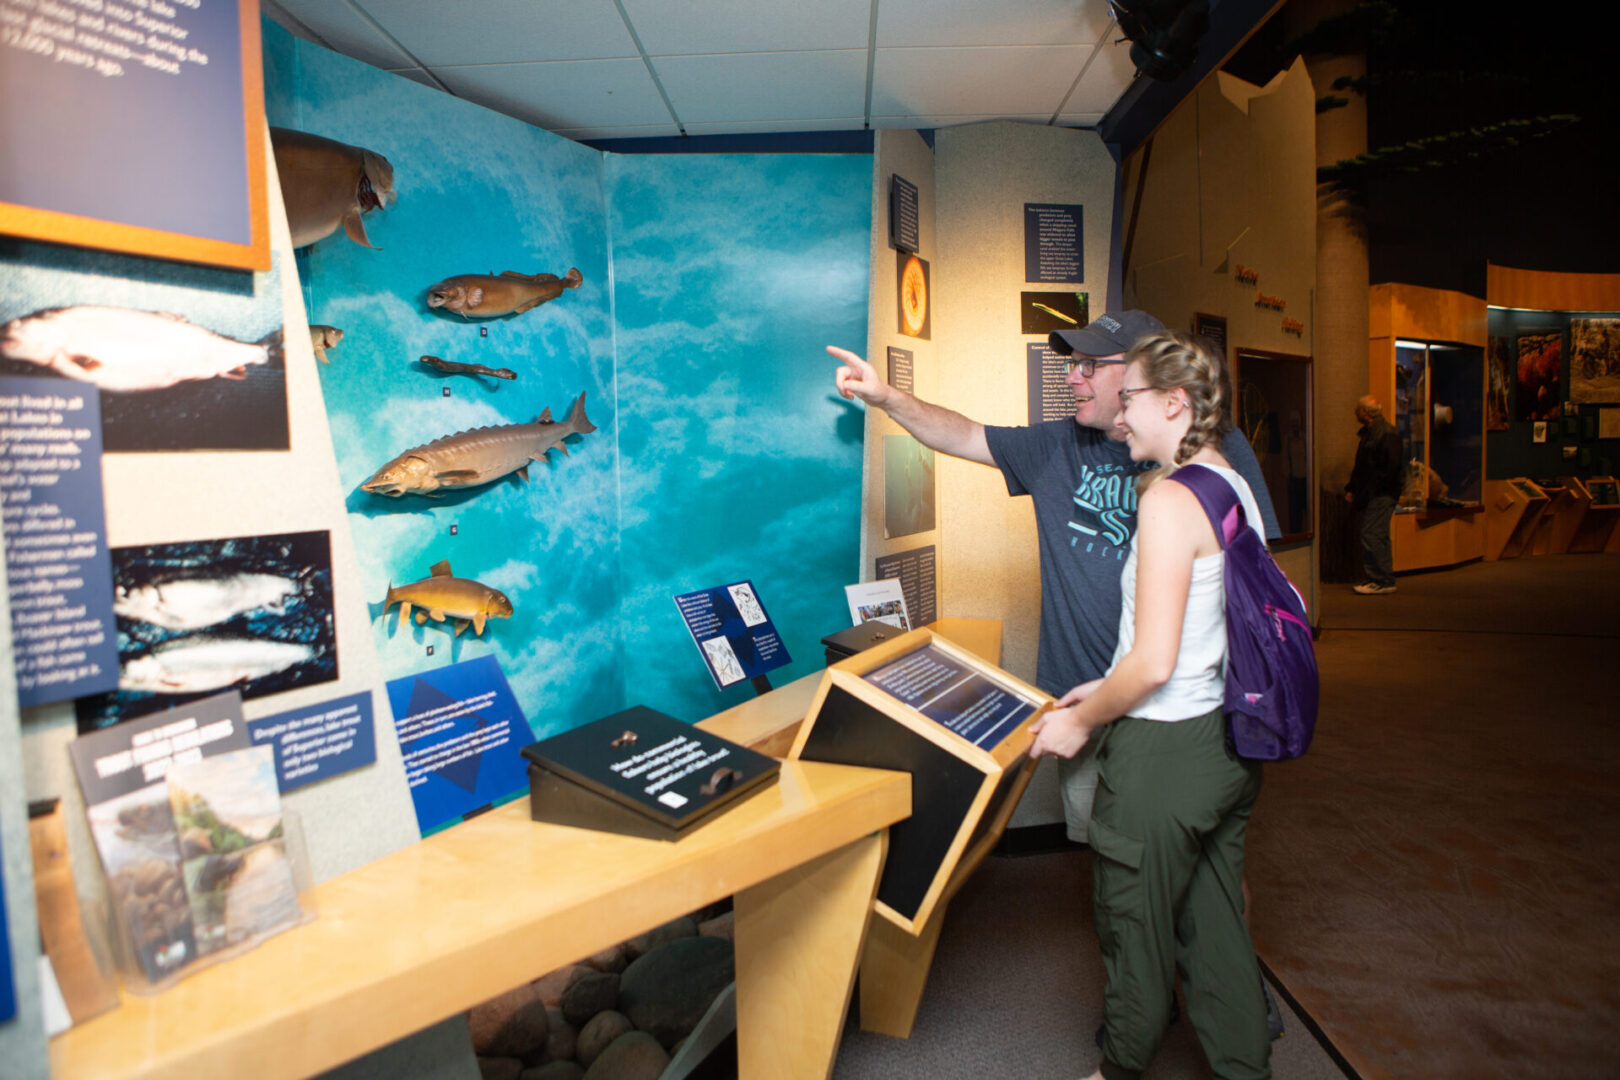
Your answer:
<point x="733" y="633"/>
<point x="319" y="741"/>
<point x="1054" y="242"/>
<point x="461" y="732"/>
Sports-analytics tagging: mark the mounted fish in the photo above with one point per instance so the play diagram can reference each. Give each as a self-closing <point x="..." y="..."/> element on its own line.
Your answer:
<point x="199" y="663"/>
<point x="443" y="596"/>
<point x="452" y="367"/>
<point x="196" y="602"/>
<point x="486" y="296"/>
<point x="323" y="338"/>
<point x="122" y="349"/>
<point x="479" y="456"/>
<point x="326" y="183"/>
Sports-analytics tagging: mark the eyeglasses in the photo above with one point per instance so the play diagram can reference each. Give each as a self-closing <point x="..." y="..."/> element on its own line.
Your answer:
<point x="1088" y="364"/>
<point x="1126" y="393"/>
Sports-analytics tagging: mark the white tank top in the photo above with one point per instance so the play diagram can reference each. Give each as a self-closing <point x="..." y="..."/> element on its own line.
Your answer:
<point x="1199" y="682"/>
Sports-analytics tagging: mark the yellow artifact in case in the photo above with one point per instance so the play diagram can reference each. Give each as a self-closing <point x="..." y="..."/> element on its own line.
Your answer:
<point x="960" y="726"/>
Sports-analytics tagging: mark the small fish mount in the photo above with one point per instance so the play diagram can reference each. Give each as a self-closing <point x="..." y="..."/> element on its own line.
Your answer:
<point x="452" y="367"/>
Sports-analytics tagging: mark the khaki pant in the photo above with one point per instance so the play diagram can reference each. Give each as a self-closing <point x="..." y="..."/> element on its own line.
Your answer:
<point x="1167" y="868"/>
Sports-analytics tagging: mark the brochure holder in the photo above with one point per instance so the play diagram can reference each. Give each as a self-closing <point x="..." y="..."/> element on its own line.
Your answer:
<point x="640" y="773"/>
<point x="960" y="726"/>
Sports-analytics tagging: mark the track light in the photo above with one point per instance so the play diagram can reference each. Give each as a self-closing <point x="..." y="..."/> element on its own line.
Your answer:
<point x="1164" y="34"/>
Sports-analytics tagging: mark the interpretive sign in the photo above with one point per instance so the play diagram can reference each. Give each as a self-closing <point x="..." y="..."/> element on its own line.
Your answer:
<point x="1050" y="396"/>
<point x="1053" y="242"/>
<point x="954" y="695"/>
<point x="135" y="125"/>
<point x="460" y="729"/>
<point x="903" y="216"/>
<point x="901" y="372"/>
<point x="733" y="633"/>
<point x="915" y="569"/>
<point x="319" y="741"/>
<point x="960" y="726"/>
<point x="57" y="567"/>
<point x="641" y="773"/>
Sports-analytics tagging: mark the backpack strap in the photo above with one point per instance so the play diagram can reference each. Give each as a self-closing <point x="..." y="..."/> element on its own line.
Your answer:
<point x="1221" y="504"/>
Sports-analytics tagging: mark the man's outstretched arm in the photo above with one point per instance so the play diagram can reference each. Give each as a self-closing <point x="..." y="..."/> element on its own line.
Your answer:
<point x="936" y="427"/>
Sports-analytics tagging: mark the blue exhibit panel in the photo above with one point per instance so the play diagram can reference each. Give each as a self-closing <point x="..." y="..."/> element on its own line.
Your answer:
<point x="953" y="695"/>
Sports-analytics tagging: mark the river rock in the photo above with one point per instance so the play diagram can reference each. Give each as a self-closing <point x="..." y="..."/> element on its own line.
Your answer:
<point x="666" y="992"/>
<point x="721" y="926"/>
<point x="591" y="994"/>
<point x="561" y="1039"/>
<point x="509" y="1025"/>
<point x="499" y="1068"/>
<point x="555" y="1070"/>
<point x="635" y="1055"/>
<point x="599" y="1031"/>
<point x="614" y="958"/>
<point x="674" y="930"/>
<point x="551" y="985"/>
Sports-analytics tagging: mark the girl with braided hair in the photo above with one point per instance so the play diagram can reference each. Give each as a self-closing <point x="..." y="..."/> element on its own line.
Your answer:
<point x="1172" y="800"/>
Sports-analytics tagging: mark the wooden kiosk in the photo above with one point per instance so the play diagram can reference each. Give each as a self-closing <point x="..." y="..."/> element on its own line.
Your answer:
<point x="1602" y="514"/>
<point x="960" y="727"/>
<point x="1515" y="507"/>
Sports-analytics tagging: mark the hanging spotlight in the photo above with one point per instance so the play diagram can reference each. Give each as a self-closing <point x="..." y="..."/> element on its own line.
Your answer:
<point x="1164" y="34"/>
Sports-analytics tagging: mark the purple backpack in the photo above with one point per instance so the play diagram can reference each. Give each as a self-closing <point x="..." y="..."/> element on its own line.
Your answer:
<point x="1271" y="681"/>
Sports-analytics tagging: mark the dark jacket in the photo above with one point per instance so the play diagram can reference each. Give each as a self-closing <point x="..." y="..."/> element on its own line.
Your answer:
<point x="1379" y="468"/>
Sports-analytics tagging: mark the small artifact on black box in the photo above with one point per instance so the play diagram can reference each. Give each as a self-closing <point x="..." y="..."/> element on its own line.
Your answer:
<point x="640" y="773"/>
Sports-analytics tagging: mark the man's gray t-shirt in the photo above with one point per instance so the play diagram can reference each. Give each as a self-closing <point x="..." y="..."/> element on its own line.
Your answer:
<point x="1083" y="486"/>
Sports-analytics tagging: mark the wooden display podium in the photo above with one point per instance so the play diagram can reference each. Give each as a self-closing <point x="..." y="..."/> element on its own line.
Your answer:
<point x="1515" y="507"/>
<point x="960" y="726"/>
<point x="1565" y="515"/>
<point x="1602" y="514"/>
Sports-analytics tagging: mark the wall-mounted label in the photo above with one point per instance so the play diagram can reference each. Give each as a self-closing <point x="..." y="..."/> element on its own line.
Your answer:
<point x="319" y="741"/>
<point x="1248" y="275"/>
<point x="915" y="569"/>
<point x="1050" y="397"/>
<point x="57" y="566"/>
<point x="902" y="374"/>
<point x="903" y="215"/>
<point x="1293" y="326"/>
<point x="1054" y="242"/>
<point x="1266" y="300"/>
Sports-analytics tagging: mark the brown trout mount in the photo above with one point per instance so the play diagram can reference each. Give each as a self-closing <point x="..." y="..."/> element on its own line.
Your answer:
<point x="479" y="456"/>
<point x="443" y="596"/>
<point x="488" y="296"/>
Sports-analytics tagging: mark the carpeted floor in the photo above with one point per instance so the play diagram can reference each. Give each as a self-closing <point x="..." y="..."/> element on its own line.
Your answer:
<point x="1435" y="883"/>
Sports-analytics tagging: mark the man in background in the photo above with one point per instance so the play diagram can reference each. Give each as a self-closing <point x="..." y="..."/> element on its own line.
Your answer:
<point x="1374" y="487"/>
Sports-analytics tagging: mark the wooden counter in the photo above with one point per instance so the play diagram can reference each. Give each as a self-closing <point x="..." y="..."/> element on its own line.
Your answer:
<point x="433" y="929"/>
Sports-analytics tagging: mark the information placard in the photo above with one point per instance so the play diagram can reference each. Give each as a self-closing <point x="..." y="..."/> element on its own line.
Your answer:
<point x="1054" y="242"/>
<point x="57" y="566"/>
<point x="903" y="215"/>
<point x="1050" y="397"/>
<point x="733" y="633"/>
<point x="915" y="569"/>
<point x="460" y="730"/>
<point x="135" y="125"/>
<point x="901" y="370"/>
<point x="953" y="695"/>
<point x="319" y="741"/>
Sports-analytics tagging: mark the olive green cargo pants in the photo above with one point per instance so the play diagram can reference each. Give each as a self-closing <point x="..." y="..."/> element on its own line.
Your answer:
<point x="1167" y="869"/>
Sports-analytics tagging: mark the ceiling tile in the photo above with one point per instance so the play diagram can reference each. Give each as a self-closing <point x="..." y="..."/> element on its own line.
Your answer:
<point x="921" y="121"/>
<point x="502" y="31"/>
<point x="691" y="27"/>
<point x="564" y="94"/>
<point x="341" y="28"/>
<point x="630" y="131"/>
<point x="765" y="86"/>
<point x="968" y="81"/>
<point x="1006" y="22"/>
<point x="1106" y="79"/>
<point x="754" y="127"/>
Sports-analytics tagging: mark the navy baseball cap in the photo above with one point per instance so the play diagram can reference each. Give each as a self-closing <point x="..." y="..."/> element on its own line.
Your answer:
<point x="1115" y="332"/>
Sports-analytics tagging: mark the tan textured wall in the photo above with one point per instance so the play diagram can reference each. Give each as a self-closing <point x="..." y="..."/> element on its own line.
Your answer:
<point x="1229" y="182"/>
<point x="985" y="174"/>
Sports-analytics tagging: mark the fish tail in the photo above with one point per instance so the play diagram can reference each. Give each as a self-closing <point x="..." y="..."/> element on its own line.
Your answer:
<point x="577" y="418"/>
<point x="272" y="343"/>
<point x="572" y="279"/>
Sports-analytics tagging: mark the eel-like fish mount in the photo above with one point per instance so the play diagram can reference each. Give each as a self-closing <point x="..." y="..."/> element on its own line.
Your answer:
<point x="452" y="367"/>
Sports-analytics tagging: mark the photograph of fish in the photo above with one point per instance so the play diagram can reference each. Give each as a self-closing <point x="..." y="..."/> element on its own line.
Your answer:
<point x="452" y="367"/>
<point x="479" y="456"/>
<point x="488" y="296"/>
<point x="1541" y="371"/>
<point x="1594" y="360"/>
<point x="442" y="596"/>
<point x="1043" y="312"/>
<point x="1499" y="375"/>
<point x="198" y="617"/>
<point x="323" y="338"/>
<point x="325" y="183"/>
<point x="185" y="360"/>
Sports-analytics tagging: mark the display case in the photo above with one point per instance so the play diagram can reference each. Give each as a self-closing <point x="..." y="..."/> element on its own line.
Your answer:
<point x="1274" y="411"/>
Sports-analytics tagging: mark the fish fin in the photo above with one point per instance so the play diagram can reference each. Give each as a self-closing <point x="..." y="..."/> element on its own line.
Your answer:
<point x="236" y="374"/>
<point x="436" y="614"/>
<point x="577" y="419"/>
<point x="441" y="569"/>
<point x="83" y="363"/>
<point x="174" y="315"/>
<point x="536" y="278"/>
<point x="357" y="230"/>
<point x="421" y="617"/>
<point x="572" y="279"/>
<point x="475" y="297"/>
<point x="404" y="609"/>
<point x="478" y="624"/>
<point x="524" y="472"/>
<point x="529" y="305"/>
<point x="320" y="354"/>
<point x="461" y="624"/>
<point x="541" y="454"/>
<point x="272" y="344"/>
<point x="545" y="416"/>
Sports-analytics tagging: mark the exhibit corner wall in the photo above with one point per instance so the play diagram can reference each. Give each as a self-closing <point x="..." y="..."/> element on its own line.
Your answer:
<point x="1228" y="183"/>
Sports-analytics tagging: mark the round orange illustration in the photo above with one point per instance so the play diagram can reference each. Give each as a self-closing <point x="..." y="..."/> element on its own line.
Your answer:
<point x="913" y="297"/>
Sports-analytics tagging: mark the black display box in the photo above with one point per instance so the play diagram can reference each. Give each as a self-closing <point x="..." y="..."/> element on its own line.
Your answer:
<point x="920" y="704"/>
<point x="855" y="639"/>
<point x="640" y="773"/>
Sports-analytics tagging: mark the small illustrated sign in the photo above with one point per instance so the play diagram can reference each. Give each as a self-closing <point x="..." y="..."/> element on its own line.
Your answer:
<point x="1054" y="242"/>
<point x="319" y="741"/>
<point x="733" y="633"/>
<point x="460" y="730"/>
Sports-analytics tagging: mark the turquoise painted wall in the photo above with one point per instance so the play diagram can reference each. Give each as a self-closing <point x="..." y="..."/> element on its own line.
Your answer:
<point x="710" y="285"/>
